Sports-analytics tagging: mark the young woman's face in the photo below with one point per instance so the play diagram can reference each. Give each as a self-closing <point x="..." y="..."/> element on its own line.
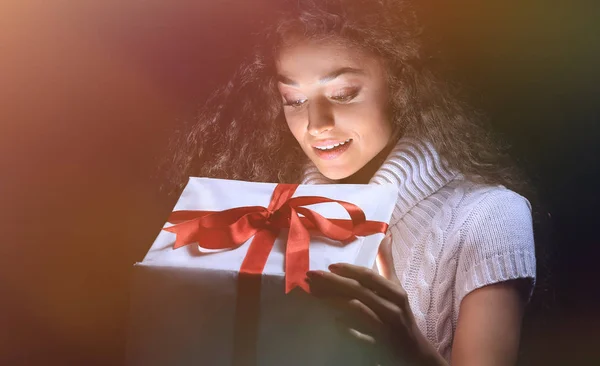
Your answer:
<point x="335" y="103"/>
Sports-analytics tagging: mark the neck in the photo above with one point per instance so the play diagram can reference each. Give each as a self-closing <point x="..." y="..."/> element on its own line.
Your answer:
<point x="412" y="164"/>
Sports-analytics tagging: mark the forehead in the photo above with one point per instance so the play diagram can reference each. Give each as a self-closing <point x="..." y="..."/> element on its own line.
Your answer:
<point x="315" y="59"/>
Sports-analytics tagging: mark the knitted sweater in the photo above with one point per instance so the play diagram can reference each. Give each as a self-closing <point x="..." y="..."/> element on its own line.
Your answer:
<point x="450" y="235"/>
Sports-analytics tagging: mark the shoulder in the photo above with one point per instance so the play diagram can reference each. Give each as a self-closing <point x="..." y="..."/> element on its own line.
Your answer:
<point x="494" y="238"/>
<point x="492" y="216"/>
<point x="466" y="204"/>
<point x="478" y="196"/>
<point x="474" y="203"/>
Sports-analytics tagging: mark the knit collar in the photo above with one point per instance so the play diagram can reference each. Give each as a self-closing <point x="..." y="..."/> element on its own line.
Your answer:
<point x="413" y="165"/>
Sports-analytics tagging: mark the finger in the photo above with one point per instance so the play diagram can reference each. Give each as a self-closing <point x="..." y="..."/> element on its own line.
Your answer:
<point x="385" y="261"/>
<point x="351" y="329"/>
<point x="361" y="347"/>
<point x="362" y="317"/>
<point x="372" y="348"/>
<point x="391" y="291"/>
<point x="332" y="284"/>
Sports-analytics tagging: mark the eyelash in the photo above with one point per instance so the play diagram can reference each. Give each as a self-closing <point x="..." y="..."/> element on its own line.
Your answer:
<point x="295" y="103"/>
<point x="345" y="97"/>
<point x="340" y="98"/>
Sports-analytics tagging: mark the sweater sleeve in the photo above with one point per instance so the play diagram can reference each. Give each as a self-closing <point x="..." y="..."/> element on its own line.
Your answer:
<point x="497" y="243"/>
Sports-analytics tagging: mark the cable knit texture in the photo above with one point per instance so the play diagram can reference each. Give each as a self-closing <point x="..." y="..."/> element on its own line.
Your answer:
<point x="450" y="235"/>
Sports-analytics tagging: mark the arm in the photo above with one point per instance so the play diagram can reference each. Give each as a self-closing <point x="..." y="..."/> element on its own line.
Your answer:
<point x="489" y="324"/>
<point x="487" y="333"/>
<point x="493" y="282"/>
<point x="495" y="276"/>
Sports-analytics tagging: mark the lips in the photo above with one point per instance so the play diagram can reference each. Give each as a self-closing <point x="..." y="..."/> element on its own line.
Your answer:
<point x="329" y="144"/>
<point x="331" y="149"/>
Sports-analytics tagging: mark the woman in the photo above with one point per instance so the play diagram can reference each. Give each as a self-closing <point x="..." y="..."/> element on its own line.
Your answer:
<point x="338" y="92"/>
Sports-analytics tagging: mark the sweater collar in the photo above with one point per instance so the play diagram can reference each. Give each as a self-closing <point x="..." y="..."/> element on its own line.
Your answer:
<point x="413" y="165"/>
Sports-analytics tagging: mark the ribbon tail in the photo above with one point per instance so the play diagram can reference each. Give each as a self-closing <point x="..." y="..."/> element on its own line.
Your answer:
<point x="258" y="252"/>
<point x="247" y="310"/>
<point x="297" y="255"/>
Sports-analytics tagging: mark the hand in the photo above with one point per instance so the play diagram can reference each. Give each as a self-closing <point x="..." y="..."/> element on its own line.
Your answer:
<point x="378" y="314"/>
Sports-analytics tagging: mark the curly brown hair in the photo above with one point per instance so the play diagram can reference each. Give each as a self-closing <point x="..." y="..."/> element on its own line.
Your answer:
<point x="240" y="133"/>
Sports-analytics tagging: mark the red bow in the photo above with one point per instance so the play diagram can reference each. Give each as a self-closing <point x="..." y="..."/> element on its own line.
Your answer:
<point x="231" y="228"/>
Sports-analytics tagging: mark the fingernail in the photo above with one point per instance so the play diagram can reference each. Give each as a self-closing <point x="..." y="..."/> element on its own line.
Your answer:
<point x="314" y="274"/>
<point x="334" y="267"/>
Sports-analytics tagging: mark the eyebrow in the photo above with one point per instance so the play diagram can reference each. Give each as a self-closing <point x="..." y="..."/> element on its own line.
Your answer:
<point x="332" y="75"/>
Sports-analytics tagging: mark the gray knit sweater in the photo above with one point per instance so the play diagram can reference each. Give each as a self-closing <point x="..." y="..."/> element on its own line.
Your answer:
<point x="450" y="235"/>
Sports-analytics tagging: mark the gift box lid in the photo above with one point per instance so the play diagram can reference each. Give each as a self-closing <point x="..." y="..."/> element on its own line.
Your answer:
<point x="208" y="194"/>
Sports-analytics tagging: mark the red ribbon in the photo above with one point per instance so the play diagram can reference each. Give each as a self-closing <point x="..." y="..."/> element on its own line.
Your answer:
<point x="231" y="228"/>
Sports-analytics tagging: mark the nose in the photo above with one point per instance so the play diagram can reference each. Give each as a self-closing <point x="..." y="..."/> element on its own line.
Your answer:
<point x="320" y="117"/>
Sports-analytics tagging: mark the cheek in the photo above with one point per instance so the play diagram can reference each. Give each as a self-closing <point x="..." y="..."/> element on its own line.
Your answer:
<point x="379" y="127"/>
<point x="295" y="124"/>
<point x="370" y="122"/>
<point x="381" y="130"/>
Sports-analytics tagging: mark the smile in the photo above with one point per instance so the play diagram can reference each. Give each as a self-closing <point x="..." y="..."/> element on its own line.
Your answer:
<point x="330" y="147"/>
<point x="332" y="150"/>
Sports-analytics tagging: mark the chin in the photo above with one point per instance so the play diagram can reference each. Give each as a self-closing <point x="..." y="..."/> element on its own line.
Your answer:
<point x="335" y="174"/>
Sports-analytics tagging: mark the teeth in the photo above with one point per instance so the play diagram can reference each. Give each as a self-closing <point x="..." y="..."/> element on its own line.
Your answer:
<point x="332" y="146"/>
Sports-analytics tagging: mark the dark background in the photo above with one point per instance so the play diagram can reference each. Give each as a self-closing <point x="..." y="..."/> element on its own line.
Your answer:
<point x="89" y="94"/>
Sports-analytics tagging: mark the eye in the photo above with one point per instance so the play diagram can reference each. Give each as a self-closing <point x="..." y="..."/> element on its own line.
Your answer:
<point x="345" y="95"/>
<point x="295" y="103"/>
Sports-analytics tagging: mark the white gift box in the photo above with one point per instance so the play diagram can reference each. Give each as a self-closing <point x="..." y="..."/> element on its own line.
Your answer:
<point x="183" y="300"/>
